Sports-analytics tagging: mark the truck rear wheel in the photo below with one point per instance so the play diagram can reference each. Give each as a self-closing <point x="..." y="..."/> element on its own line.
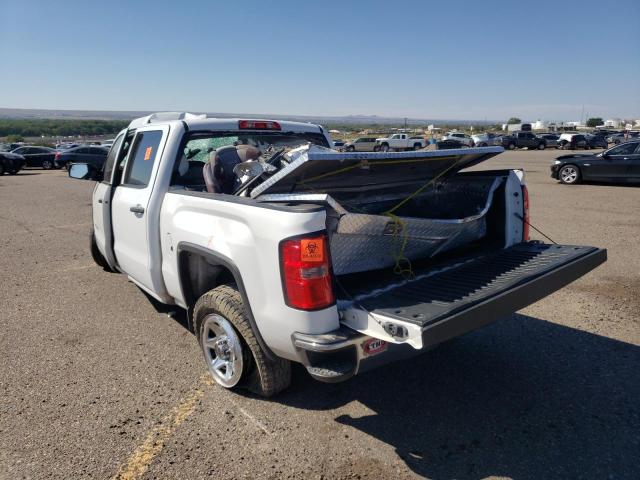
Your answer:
<point x="384" y="147"/>
<point x="512" y="146"/>
<point x="417" y="146"/>
<point x="541" y="146"/>
<point x="230" y="348"/>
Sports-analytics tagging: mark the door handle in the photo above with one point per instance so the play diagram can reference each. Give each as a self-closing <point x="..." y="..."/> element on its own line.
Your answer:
<point x="137" y="209"/>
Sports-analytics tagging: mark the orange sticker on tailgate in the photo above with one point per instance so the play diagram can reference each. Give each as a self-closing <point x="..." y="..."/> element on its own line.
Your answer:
<point x="312" y="250"/>
<point x="147" y="153"/>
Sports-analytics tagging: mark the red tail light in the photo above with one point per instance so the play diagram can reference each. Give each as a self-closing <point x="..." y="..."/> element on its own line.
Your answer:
<point x="306" y="273"/>
<point x="57" y="157"/>
<point x="258" y="125"/>
<point x="525" y="214"/>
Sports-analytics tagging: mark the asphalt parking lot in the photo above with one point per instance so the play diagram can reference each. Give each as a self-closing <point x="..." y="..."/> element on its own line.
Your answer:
<point x="98" y="382"/>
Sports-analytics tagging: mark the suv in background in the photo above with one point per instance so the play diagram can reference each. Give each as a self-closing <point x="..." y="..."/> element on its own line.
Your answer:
<point x="551" y="139"/>
<point x="460" y="137"/>
<point x="522" y="140"/>
<point x="362" y="144"/>
<point x="486" y="139"/>
<point x="571" y="141"/>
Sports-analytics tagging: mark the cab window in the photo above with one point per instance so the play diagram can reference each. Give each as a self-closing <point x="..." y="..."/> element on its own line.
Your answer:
<point x="142" y="158"/>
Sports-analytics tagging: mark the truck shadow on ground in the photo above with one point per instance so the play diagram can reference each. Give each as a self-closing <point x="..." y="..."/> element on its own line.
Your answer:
<point x="523" y="398"/>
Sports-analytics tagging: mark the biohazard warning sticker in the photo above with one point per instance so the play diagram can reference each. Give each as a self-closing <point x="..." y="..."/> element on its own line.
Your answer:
<point x="147" y="153"/>
<point x="312" y="250"/>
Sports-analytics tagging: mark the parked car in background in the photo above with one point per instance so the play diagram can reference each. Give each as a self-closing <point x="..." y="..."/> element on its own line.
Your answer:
<point x="460" y="137"/>
<point x="400" y="141"/>
<point x="37" y="156"/>
<point x="595" y="141"/>
<point x="486" y="140"/>
<point x="523" y="140"/>
<point x="65" y="146"/>
<point x="551" y="139"/>
<point x="94" y="156"/>
<point x="7" y="147"/>
<point x="450" y="144"/>
<point x="571" y="141"/>
<point x="362" y="144"/>
<point x="10" y="163"/>
<point x="338" y="144"/>
<point x="617" y="164"/>
<point x="107" y="143"/>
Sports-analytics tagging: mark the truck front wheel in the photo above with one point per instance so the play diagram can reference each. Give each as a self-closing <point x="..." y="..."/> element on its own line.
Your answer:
<point x="97" y="256"/>
<point x="231" y="351"/>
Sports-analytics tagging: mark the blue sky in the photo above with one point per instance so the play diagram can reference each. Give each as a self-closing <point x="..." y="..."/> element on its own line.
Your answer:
<point x="446" y="60"/>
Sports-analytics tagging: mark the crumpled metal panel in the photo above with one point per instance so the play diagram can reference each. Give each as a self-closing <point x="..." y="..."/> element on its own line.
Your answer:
<point x="378" y="243"/>
<point x="364" y="242"/>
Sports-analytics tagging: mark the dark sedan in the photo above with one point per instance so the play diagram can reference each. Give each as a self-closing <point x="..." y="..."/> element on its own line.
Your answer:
<point x="10" y="163"/>
<point x="37" y="156"/>
<point x="618" y="164"/>
<point x="95" y="156"/>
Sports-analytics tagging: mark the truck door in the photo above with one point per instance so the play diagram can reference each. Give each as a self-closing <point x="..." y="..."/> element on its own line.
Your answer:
<point x="130" y="218"/>
<point x="101" y="204"/>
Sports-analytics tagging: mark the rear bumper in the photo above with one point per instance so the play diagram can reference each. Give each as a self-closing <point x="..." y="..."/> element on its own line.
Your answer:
<point x="338" y="355"/>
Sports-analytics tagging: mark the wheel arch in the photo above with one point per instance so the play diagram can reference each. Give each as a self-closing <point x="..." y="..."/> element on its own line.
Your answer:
<point x="200" y="270"/>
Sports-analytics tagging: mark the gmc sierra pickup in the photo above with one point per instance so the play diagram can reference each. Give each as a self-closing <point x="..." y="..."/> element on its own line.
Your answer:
<point x="283" y="250"/>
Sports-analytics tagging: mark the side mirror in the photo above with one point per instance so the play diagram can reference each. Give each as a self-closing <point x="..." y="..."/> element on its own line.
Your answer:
<point x="84" y="171"/>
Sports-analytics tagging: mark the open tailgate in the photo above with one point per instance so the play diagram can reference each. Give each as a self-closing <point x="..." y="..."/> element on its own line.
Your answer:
<point x="461" y="297"/>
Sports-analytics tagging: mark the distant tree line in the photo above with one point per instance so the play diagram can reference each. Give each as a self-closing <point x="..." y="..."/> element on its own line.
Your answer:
<point x="59" y="128"/>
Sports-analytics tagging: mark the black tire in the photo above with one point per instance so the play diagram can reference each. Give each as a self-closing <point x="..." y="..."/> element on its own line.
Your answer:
<point x="260" y="375"/>
<point x="541" y="146"/>
<point x="483" y="144"/>
<point x="385" y="147"/>
<point x="563" y="145"/>
<point x="566" y="178"/>
<point x="511" y="146"/>
<point x="13" y="172"/>
<point x="417" y="146"/>
<point x="96" y="255"/>
<point x="47" y="164"/>
<point x="351" y="149"/>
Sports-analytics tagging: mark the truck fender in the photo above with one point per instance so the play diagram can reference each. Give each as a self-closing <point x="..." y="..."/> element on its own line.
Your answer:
<point x="214" y="259"/>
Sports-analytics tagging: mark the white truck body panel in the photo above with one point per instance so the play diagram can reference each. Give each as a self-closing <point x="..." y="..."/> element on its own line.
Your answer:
<point x="234" y="229"/>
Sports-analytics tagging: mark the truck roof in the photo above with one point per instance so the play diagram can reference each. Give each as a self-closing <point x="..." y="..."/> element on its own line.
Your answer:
<point x="202" y="121"/>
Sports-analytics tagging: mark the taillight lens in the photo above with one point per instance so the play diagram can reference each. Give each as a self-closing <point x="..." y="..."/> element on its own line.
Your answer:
<point x="306" y="273"/>
<point x="57" y="157"/>
<point x="525" y="214"/>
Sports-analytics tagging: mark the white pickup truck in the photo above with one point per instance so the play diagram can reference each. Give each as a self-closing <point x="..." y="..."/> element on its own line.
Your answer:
<point x="399" y="141"/>
<point x="282" y="250"/>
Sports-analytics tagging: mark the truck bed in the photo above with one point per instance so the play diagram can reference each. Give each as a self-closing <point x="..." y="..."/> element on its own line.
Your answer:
<point x="472" y="293"/>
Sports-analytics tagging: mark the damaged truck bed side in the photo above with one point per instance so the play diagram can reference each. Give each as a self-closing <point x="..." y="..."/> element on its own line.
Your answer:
<point x="283" y="250"/>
